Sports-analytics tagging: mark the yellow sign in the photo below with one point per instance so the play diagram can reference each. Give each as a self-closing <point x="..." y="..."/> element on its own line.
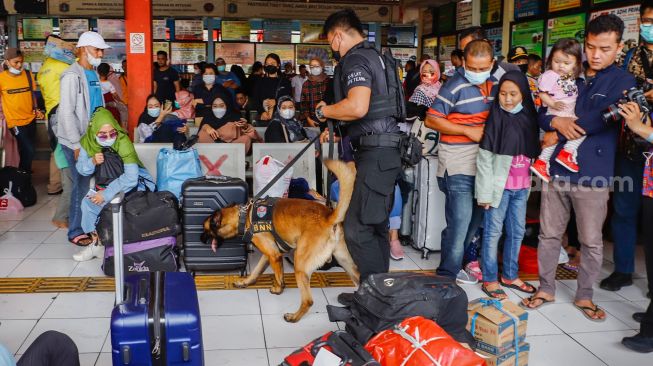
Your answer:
<point x="312" y="33"/>
<point x="187" y="53"/>
<point x="286" y="52"/>
<point x="303" y="10"/>
<point x="557" y="5"/>
<point x="159" y="46"/>
<point x="235" y="30"/>
<point x="235" y="53"/>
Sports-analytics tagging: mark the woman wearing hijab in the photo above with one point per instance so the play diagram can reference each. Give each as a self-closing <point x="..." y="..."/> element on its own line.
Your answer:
<point x="105" y="135"/>
<point x="223" y="123"/>
<point x="314" y="91"/>
<point x="158" y="124"/>
<point x="425" y="93"/>
<point x="284" y="127"/>
<point x="503" y="181"/>
<point x="206" y="92"/>
<point x="266" y="90"/>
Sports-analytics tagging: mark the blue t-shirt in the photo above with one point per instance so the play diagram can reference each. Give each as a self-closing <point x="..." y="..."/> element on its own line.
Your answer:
<point x="221" y="79"/>
<point x="95" y="90"/>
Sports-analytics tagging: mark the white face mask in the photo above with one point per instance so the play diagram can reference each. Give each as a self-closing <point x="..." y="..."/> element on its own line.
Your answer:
<point x="208" y="79"/>
<point x="95" y="62"/>
<point x="15" y="71"/>
<point x="287" y="113"/>
<point x="105" y="143"/>
<point x="219" y="112"/>
<point x="315" y="71"/>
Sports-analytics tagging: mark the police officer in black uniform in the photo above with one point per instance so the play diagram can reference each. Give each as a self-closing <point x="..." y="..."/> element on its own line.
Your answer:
<point x="363" y="104"/>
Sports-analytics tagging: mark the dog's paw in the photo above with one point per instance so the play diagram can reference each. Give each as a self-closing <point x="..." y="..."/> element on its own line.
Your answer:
<point x="276" y="290"/>
<point x="240" y="284"/>
<point x="290" y="318"/>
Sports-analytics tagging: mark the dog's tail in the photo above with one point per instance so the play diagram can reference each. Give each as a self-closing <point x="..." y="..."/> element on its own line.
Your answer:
<point x="346" y="174"/>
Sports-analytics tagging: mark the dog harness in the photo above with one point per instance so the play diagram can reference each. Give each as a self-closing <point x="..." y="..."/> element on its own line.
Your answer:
<point x="260" y="219"/>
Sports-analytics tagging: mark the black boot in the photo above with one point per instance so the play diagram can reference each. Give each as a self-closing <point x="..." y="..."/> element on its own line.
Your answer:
<point x="639" y="343"/>
<point x="638" y="317"/>
<point x="616" y="281"/>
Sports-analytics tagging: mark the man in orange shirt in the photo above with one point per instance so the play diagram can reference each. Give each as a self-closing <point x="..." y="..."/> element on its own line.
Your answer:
<point x="16" y="89"/>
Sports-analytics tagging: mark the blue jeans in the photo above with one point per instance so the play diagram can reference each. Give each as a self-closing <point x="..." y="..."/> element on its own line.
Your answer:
<point x="626" y="204"/>
<point x="90" y="212"/>
<point x="512" y="213"/>
<point x="463" y="218"/>
<point x="81" y="185"/>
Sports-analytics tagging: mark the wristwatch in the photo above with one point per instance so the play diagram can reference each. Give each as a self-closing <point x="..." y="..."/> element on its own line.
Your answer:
<point x="318" y="113"/>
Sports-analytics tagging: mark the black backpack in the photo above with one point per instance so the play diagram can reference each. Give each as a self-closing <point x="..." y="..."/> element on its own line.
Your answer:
<point x="21" y="185"/>
<point x="386" y="299"/>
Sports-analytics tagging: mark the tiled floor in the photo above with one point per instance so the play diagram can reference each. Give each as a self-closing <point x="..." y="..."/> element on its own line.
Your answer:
<point x="246" y="327"/>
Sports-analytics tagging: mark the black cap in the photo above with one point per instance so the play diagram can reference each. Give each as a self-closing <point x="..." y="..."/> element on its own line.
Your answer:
<point x="517" y="53"/>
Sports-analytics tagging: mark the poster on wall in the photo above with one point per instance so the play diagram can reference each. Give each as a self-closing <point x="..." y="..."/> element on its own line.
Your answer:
<point x="34" y="28"/>
<point x="430" y="46"/>
<point x="427" y="21"/>
<point x="557" y="5"/>
<point x="235" y="30"/>
<point x="235" y="53"/>
<point x="159" y="46"/>
<point x="188" y="8"/>
<point x="72" y="28"/>
<point x="595" y="2"/>
<point x="83" y="7"/>
<point x="279" y="31"/>
<point x="571" y="26"/>
<point x="494" y="36"/>
<point x="33" y="51"/>
<point x="187" y="53"/>
<point x="189" y="30"/>
<point x="159" y="28"/>
<point x="285" y="51"/>
<point x="115" y="54"/>
<point x="529" y="35"/>
<point x="306" y="10"/>
<point x="111" y="28"/>
<point x="306" y="52"/>
<point x="401" y="36"/>
<point x="447" y="45"/>
<point x="490" y="11"/>
<point x="446" y="18"/>
<point x="311" y="32"/>
<point x="527" y="8"/>
<point x="463" y="15"/>
<point x="630" y="16"/>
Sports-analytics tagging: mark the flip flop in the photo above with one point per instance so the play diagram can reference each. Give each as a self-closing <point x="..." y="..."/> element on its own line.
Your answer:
<point x="82" y="240"/>
<point x="495" y="294"/>
<point x="595" y="310"/>
<point x="525" y="287"/>
<point x="570" y="267"/>
<point x="535" y="298"/>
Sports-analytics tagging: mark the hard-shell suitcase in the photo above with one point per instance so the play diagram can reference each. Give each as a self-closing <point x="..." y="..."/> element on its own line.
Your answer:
<point x="156" y="320"/>
<point x="428" y="208"/>
<point x="201" y="197"/>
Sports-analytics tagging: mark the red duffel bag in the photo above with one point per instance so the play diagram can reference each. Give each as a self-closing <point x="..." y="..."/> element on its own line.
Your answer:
<point x="418" y="341"/>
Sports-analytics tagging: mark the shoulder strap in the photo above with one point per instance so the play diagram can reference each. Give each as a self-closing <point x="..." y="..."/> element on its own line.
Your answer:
<point x="285" y="132"/>
<point x="629" y="56"/>
<point x="31" y="89"/>
<point x="646" y="65"/>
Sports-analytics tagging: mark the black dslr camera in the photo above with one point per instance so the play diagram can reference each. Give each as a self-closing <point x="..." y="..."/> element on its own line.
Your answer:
<point x="611" y="115"/>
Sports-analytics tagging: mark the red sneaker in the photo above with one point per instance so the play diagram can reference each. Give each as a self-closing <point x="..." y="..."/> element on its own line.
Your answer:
<point x="568" y="160"/>
<point x="541" y="169"/>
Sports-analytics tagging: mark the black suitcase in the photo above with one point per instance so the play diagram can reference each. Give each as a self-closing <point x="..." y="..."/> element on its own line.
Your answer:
<point x="200" y="198"/>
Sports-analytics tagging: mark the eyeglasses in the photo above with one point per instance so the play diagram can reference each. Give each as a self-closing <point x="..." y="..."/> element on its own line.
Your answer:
<point x="105" y="136"/>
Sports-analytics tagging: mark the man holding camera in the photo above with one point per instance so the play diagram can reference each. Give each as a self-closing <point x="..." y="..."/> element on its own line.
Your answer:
<point x="629" y="165"/>
<point x="587" y="191"/>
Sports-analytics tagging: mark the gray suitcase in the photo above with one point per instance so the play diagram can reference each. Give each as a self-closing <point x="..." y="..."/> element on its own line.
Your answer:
<point x="428" y="208"/>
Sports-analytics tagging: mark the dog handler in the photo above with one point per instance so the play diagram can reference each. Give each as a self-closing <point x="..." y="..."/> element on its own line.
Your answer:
<point x="363" y="103"/>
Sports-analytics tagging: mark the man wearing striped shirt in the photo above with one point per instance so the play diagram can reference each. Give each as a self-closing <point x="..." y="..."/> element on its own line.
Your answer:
<point x="459" y="114"/>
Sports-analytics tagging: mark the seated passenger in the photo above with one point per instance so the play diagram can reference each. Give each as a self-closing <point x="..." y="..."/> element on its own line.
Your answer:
<point x="222" y="123"/>
<point x="104" y="136"/>
<point x="285" y="127"/>
<point x="158" y="124"/>
<point x="184" y="104"/>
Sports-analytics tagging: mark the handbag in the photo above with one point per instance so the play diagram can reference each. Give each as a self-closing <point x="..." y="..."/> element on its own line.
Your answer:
<point x="111" y="169"/>
<point x="174" y="167"/>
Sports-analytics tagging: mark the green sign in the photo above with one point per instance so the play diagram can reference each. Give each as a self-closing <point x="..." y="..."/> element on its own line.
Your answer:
<point x="37" y="28"/>
<point x="490" y="11"/>
<point x="447" y="18"/>
<point x="571" y="26"/>
<point x="529" y="35"/>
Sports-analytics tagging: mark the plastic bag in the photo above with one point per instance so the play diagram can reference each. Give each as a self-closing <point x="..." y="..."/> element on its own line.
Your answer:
<point x="9" y="203"/>
<point x="420" y="341"/>
<point x="174" y="167"/>
<point x="265" y="170"/>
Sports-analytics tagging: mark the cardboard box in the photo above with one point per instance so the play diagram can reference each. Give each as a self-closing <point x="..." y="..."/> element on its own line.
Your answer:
<point x="494" y="330"/>
<point x="508" y="357"/>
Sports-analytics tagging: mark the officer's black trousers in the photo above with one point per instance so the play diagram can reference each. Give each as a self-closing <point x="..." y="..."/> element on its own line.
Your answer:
<point x="366" y="223"/>
<point x="52" y="349"/>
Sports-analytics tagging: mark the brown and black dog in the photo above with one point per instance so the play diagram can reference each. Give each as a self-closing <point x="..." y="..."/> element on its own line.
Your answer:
<point x="312" y="229"/>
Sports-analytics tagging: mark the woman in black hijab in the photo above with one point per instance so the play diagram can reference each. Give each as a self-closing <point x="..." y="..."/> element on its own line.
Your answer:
<point x="503" y="180"/>
<point x="266" y="90"/>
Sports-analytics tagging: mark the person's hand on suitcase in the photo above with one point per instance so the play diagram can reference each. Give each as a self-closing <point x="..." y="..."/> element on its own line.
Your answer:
<point x="98" y="199"/>
<point x="183" y="129"/>
<point x="98" y="159"/>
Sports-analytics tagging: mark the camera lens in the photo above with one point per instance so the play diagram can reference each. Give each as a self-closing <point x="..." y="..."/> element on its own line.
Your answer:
<point x="611" y="114"/>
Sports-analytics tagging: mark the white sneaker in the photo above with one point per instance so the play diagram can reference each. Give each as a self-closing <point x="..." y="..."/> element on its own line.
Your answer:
<point x="564" y="257"/>
<point x="464" y="278"/>
<point x="88" y="253"/>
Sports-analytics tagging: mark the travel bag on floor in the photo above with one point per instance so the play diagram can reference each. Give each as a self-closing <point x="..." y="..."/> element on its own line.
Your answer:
<point x="385" y="299"/>
<point x="156" y="320"/>
<point x="341" y="344"/>
<point x="201" y="197"/>
<point x="21" y="185"/>
<point x="428" y="208"/>
<point x="144" y="256"/>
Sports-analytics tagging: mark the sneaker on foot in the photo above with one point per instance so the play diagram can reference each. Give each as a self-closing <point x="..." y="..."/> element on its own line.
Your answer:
<point x="474" y="270"/>
<point x="396" y="250"/>
<point x="541" y="169"/>
<point x="564" y="257"/>
<point x="567" y="159"/>
<point x="464" y="278"/>
<point x="89" y="252"/>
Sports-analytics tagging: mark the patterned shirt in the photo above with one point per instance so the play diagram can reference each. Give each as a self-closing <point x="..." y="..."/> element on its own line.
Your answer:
<point x="313" y="92"/>
<point x="647" y="187"/>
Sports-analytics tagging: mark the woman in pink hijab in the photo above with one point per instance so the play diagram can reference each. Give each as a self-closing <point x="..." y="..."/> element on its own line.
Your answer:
<point x="426" y="92"/>
<point x="185" y="101"/>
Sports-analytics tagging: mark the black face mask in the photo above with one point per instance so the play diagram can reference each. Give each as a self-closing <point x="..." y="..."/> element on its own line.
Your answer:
<point x="271" y="69"/>
<point x="523" y="68"/>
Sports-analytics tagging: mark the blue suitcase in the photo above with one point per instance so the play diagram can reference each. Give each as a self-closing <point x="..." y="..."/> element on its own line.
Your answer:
<point x="157" y="318"/>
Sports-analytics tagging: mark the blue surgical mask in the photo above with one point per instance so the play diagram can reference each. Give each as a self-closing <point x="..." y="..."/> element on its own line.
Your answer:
<point x="177" y="106"/>
<point x="15" y="71"/>
<point x="222" y="68"/>
<point x="105" y="143"/>
<point x="477" y="78"/>
<point x="209" y="79"/>
<point x="518" y="108"/>
<point x="153" y="112"/>
<point x="219" y="112"/>
<point x="646" y="30"/>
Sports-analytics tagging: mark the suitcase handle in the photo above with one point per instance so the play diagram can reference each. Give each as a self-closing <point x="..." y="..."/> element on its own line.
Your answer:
<point x="119" y="269"/>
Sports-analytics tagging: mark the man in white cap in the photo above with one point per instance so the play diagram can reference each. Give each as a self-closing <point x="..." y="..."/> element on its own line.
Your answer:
<point x="81" y="94"/>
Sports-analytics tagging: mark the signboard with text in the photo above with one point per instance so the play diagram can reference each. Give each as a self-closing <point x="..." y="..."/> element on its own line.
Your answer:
<point x="304" y="10"/>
